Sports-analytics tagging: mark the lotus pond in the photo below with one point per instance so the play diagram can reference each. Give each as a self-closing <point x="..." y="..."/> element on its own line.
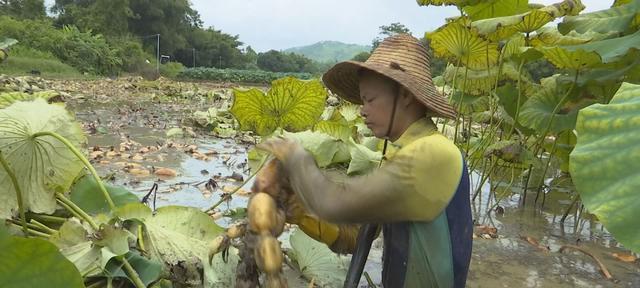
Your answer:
<point x="130" y="142"/>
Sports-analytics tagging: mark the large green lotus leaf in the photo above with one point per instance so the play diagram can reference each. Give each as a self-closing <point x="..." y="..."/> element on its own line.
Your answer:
<point x="618" y="19"/>
<point x="149" y="271"/>
<point x="87" y="196"/>
<point x="134" y="210"/>
<point x="467" y="104"/>
<point x="538" y="111"/>
<point x="6" y="99"/>
<point x="35" y="263"/>
<point x="549" y="36"/>
<point x="363" y="159"/>
<point x="496" y="8"/>
<point x="178" y="237"/>
<point x="502" y="27"/>
<point x="604" y="163"/>
<point x="592" y="54"/>
<point x="460" y="44"/>
<point x="322" y="146"/>
<point x="316" y="261"/>
<point x="291" y="104"/>
<point x="43" y="165"/>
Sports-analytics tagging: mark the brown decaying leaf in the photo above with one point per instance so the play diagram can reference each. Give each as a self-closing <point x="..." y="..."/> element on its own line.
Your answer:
<point x="165" y="172"/>
<point x="629" y="258"/>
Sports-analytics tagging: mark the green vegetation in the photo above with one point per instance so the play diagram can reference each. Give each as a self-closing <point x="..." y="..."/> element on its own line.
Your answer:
<point x="329" y="51"/>
<point x="237" y="76"/>
<point x="500" y="75"/>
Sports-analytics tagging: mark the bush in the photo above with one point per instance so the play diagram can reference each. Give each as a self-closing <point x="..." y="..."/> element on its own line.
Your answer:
<point x="131" y="53"/>
<point x="82" y="50"/>
<point x="237" y="76"/>
<point x="171" y="69"/>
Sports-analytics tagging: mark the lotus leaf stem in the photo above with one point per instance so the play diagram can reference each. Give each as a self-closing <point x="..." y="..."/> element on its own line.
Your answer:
<point x="16" y="187"/>
<point x="84" y="161"/>
<point x="43" y="227"/>
<point x="74" y="209"/>
<point x="31" y="231"/>
<point x="133" y="275"/>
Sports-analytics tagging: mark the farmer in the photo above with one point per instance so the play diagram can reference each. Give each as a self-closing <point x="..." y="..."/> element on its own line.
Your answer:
<point x="420" y="195"/>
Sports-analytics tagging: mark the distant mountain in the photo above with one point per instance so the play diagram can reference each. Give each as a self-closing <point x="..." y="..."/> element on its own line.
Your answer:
<point x="330" y="51"/>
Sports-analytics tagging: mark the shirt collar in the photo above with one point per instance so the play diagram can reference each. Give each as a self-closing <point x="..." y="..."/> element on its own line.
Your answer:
<point x="418" y="129"/>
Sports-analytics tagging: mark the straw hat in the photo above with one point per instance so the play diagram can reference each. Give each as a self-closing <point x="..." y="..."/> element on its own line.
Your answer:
<point x="402" y="58"/>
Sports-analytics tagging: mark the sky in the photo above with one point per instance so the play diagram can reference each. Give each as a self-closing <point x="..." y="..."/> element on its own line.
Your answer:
<point x="281" y="24"/>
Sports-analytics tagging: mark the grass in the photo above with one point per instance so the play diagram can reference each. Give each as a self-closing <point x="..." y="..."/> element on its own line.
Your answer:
<point x="23" y="60"/>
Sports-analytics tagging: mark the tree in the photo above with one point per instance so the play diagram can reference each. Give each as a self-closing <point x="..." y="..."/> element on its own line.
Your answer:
<point x="23" y="9"/>
<point x="107" y="17"/>
<point x="277" y="61"/>
<point x="389" y="30"/>
<point x="361" y="57"/>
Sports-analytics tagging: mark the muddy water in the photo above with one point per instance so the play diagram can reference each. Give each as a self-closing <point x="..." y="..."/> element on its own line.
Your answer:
<point x="505" y="261"/>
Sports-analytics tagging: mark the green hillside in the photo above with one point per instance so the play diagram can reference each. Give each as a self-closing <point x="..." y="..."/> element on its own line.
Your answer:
<point x="329" y="51"/>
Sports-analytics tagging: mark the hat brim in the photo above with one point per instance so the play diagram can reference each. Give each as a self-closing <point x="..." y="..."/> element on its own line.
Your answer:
<point x="342" y="79"/>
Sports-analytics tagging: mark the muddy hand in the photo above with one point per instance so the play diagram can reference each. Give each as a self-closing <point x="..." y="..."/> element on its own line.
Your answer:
<point x="280" y="147"/>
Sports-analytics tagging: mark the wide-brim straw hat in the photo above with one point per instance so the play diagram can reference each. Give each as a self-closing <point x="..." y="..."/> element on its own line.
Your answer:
<point x="403" y="59"/>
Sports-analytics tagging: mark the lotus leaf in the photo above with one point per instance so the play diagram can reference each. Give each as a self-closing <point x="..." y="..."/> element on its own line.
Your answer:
<point x="291" y="104"/>
<point x="460" y="44"/>
<point x="317" y="262"/>
<point x="35" y="263"/>
<point x="43" y="165"/>
<point x="604" y="163"/>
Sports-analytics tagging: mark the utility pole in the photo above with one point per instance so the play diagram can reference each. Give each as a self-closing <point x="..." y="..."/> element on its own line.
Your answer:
<point x="194" y="57"/>
<point x="158" y="56"/>
<point x="219" y="62"/>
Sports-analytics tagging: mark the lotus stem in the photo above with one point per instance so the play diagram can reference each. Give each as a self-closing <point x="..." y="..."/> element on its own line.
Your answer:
<point x="48" y="218"/>
<point x="515" y="117"/>
<point x="30" y="226"/>
<point x="31" y="232"/>
<point x="141" y="239"/>
<point x="555" y="110"/>
<point x="544" y="173"/>
<point x="16" y="187"/>
<point x="74" y="209"/>
<point x="84" y="161"/>
<point x="222" y="199"/>
<point x="43" y="227"/>
<point x="133" y="275"/>
<point x="566" y="213"/>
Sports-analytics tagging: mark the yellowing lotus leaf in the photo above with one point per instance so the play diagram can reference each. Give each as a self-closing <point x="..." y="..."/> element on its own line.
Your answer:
<point x="617" y="19"/>
<point x="43" y="165"/>
<point x="496" y="8"/>
<point x="550" y="36"/>
<point x="480" y="82"/>
<point x="459" y="44"/>
<point x="503" y="27"/>
<point x="605" y="163"/>
<point x="459" y="3"/>
<point x="291" y="104"/>
<point x="592" y="54"/>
